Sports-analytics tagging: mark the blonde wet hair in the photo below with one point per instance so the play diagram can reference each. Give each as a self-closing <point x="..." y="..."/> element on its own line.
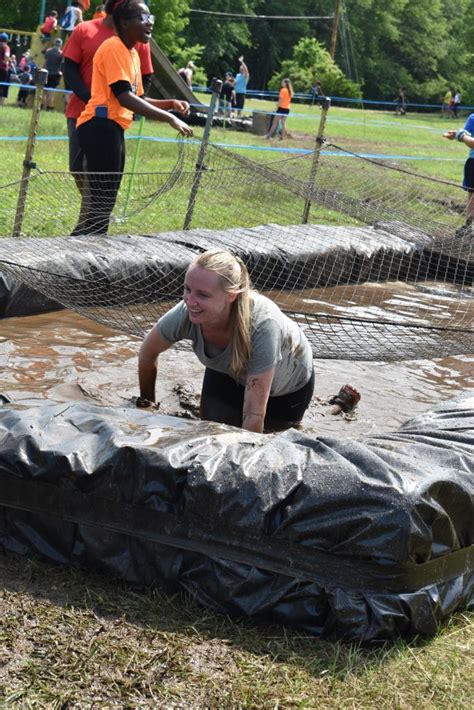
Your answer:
<point x="234" y="278"/>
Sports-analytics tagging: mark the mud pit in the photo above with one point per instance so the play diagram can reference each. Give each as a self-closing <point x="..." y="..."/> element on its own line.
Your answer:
<point x="62" y="356"/>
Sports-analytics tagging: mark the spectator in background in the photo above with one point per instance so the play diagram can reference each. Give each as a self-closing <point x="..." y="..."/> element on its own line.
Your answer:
<point x="99" y="13"/>
<point x="49" y="25"/>
<point x="78" y="57"/>
<point x="448" y="97"/>
<point x="227" y="95"/>
<point x="400" y="102"/>
<point x="456" y="103"/>
<point x="53" y="63"/>
<point x="13" y="69"/>
<point x="4" y="66"/>
<point x="466" y="135"/>
<point x="186" y="73"/>
<point x="282" y="111"/>
<point x="25" y="59"/>
<point x="25" y="78"/>
<point x="316" y="92"/>
<point x="71" y="18"/>
<point x="241" y="81"/>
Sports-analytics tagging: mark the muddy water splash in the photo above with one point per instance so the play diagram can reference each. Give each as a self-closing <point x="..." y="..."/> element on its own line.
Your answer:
<point x="62" y="356"/>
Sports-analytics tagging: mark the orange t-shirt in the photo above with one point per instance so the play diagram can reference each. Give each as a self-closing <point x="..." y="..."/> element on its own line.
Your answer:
<point x="81" y="47"/>
<point x="284" y="99"/>
<point x="113" y="62"/>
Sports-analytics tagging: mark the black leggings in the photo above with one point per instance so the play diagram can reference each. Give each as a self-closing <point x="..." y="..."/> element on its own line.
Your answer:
<point x="222" y="400"/>
<point x="102" y="141"/>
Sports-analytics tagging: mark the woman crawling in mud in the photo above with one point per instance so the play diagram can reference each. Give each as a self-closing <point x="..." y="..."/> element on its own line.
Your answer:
<point x="259" y="365"/>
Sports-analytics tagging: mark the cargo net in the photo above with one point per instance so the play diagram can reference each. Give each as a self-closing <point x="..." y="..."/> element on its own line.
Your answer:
<point x="372" y="260"/>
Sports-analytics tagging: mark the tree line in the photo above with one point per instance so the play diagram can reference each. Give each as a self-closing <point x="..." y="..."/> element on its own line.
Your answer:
<point x="425" y="46"/>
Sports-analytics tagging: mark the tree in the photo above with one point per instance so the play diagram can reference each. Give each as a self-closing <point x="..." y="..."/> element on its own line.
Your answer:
<point x="19" y="15"/>
<point x="224" y="39"/>
<point x="311" y="61"/>
<point x="172" y="17"/>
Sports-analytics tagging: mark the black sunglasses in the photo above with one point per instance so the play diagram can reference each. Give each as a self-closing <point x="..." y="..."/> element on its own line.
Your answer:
<point x="144" y="17"/>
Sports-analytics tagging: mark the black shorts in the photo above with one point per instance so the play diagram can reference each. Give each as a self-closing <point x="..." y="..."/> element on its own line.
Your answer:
<point x="283" y="111"/>
<point x="239" y="101"/>
<point x="53" y="81"/>
<point x="468" y="183"/>
<point x="77" y="157"/>
<point x="4" y="77"/>
<point x="222" y="400"/>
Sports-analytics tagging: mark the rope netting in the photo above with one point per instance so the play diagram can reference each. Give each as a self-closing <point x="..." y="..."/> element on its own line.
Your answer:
<point x="368" y="257"/>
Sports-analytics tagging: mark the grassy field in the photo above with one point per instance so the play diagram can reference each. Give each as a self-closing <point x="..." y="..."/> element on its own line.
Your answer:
<point x="358" y="130"/>
<point x="74" y="640"/>
<point x="54" y="207"/>
<point x="78" y="640"/>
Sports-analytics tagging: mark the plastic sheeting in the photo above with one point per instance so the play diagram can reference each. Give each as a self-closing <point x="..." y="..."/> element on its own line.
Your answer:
<point x="99" y="272"/>
<point x="368" y="539"/>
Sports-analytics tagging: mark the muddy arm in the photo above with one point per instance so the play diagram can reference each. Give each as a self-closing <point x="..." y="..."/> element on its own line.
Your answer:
<point x="152" y="346"/>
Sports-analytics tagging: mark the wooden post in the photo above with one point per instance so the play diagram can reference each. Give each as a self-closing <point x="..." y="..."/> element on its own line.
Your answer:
<point x="325" y="105"/>
<point x="200" y="166"/>
<point x="28" y="164"/>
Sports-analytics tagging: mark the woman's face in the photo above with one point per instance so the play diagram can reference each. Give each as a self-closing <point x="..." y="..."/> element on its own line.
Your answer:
<point x="139" y="24"/>
<point x="208" y="303"/>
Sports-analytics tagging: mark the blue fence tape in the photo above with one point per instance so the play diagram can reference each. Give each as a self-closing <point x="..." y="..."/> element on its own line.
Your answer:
<point x="260" y="148"/>
<point x="255" y="93"/>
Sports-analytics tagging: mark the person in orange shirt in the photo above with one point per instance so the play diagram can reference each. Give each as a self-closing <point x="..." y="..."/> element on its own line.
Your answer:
<point x="283" y="109"/>
<point x="116" y="95"/>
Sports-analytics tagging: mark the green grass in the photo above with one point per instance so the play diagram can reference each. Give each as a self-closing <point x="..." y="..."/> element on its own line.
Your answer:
<point x="229" y="200"/>
<point x="77" y="640"/>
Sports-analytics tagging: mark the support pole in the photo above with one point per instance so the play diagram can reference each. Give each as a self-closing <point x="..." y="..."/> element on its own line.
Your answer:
<point x="28" y="164"/>
<point x="216" y="87"/>
<point x="141" y="123"/>
<point x="335" y="28"/>
<point x="42" y="11"/>
<point x="325" y="106"/>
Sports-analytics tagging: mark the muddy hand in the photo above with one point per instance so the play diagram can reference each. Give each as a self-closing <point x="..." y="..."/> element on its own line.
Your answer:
<point x="144" y="403"/>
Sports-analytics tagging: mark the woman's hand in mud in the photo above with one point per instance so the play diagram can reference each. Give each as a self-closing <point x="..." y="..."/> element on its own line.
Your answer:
<point x="144" y="403"/>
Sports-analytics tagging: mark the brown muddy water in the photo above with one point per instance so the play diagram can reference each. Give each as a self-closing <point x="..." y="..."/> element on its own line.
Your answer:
<point x="63" y="356"/>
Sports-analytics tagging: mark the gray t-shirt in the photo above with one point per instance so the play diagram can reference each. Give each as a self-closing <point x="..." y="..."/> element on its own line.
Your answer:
<point x="53" y="60"/>
<point x="276" y="340"/>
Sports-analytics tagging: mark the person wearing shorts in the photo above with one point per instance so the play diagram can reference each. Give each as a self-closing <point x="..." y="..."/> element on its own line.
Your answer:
<point x="259" y="364"/>
<point x="466" y="135"/>
<point x="4" y="67"/>
<point x="282" y="110"/>
<point x="53" y="62"/>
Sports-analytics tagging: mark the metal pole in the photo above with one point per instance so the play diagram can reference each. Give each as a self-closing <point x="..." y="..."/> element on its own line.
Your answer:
<point x="216" y="87"/>
<point x="325" y="106"/>
<point x="335" y="28"/>
<point x="134" y="164"/>
<point x="28" y="164"/>
<point x="42" y="11"/>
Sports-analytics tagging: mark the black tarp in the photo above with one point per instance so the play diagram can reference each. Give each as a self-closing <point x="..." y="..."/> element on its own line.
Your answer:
<point x="116" y="271"/>
<point x="364" y="539"/>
